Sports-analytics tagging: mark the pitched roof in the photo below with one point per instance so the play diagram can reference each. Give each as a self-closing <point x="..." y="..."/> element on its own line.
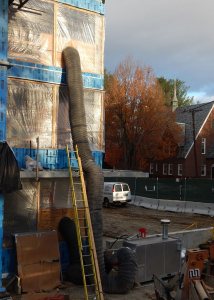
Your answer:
<point x="184" y="115"/>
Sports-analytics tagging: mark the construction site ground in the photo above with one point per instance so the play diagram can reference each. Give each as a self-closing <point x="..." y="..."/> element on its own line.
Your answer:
<point x="120" y="221"/>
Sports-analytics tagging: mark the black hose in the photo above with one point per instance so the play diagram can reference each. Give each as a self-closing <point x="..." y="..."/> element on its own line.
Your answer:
<point x="93" y="176"/>
<point x="67" y="230"/>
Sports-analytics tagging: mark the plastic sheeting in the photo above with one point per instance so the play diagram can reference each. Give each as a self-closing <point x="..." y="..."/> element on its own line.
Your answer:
<point x="85" y="32"/>
<point x="94" y="118"/>
<point x="41" y="30"/>
<point x="31" y="31"/>
<point x="41" y="110"/>
<point x="29" y="114"/>
<point x="9" y="170"/>
<point x="55" y="193"/>
<point x="20" y="211"/>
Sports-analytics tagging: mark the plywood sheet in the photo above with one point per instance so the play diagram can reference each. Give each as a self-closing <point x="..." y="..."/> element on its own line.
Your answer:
<point x="38" y="260"/>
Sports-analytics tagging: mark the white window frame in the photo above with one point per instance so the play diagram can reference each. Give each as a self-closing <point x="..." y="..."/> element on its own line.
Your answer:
<point x="203" y="170"/>
<point x="165" y="167"/>
<point x="170" y="169"/>
<point x="203" y="146"/>
<point x="151" y="168"/>
<point x="180" y="169"/>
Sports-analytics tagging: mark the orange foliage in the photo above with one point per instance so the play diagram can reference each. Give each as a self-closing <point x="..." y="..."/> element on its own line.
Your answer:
<point x="138" y="124"/>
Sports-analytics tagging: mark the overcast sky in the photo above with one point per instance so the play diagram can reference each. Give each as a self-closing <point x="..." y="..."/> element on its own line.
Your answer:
<point x="174" y="37"/>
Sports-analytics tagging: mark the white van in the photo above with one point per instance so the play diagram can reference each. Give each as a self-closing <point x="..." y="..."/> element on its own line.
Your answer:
<point x="116" y="193"/>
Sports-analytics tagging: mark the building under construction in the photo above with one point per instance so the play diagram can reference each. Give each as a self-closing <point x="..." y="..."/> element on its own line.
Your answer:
<point x="34" y="117"/>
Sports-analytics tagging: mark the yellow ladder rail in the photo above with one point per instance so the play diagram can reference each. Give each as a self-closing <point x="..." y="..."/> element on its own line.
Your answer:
<point x="90" y="229"/>
<point x="91" y="263"/>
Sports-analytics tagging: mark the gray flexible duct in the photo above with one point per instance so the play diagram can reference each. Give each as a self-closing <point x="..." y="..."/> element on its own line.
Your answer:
<point x="94" y="179"/>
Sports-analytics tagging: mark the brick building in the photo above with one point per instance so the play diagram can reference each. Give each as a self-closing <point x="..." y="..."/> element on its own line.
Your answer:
<point x="195" y="155"/>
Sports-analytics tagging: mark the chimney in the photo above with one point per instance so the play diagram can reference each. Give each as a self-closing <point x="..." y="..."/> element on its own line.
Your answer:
<point x="165" y="223"/>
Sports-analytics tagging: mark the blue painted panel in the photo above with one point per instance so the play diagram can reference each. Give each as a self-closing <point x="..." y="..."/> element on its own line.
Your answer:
<point x="3" y="69"/>
<point x="3" y="29"/>
<point x="37" y="72"/>
<point x="52" y="159"/>
<point x="3" y="102"/>
<point x="8" y="261"/>
<point x="92" y="5"/>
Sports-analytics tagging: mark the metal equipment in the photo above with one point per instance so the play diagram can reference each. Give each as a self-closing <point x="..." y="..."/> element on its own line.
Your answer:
<point x="155" y="256"/>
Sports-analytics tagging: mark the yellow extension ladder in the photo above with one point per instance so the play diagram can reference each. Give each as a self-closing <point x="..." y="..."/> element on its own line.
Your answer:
<point x="82" y="219"/>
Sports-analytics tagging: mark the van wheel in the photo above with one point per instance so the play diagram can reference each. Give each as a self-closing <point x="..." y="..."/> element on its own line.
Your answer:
<point x="106" y="203"/>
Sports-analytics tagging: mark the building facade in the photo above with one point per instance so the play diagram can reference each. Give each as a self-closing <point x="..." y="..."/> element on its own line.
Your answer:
<point x="195" y="155"/>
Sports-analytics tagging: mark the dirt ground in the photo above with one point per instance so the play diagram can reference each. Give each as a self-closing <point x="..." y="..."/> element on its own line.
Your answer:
<point x="118" y="221"/>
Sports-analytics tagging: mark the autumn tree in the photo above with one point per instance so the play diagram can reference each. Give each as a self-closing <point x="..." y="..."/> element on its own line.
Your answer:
<point x="167" y="86"/>
<point x="138" y="125"/>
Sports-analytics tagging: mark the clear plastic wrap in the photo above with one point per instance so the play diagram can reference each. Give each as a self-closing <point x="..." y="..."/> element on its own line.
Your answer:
<point x="85" y="32"/>
<point x="41" y="110"/>
<point x="29" y="114"/>
<point x="20" y="210"/>
<point x="55" y="193"/>
<point x="32" y="38"/>
<point x="30" y="32"/>
<point x="94" y="119"/>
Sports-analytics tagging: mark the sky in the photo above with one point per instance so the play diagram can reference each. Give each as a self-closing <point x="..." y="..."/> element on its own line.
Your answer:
<point x="174" y="37"/>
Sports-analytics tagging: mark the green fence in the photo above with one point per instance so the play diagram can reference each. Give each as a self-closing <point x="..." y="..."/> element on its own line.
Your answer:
<point x="197" y="190"/>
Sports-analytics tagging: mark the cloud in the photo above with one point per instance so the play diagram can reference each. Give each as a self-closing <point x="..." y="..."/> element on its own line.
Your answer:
<point x="174" y="37"/>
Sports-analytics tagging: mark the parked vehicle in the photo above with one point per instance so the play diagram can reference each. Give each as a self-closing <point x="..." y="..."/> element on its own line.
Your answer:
<point x="116" y="193"/>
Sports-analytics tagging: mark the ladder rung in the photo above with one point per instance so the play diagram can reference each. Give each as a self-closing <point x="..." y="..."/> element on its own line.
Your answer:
<point x="89" y="265"/>
<point x="92" y="284"/>
<point x="89" y="275"/>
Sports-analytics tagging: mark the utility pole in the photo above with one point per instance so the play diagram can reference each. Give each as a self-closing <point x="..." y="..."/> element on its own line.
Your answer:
<point x="194" y="142"/>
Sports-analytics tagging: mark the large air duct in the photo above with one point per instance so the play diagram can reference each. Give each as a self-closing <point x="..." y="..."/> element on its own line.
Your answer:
<point x="124" y="280"/>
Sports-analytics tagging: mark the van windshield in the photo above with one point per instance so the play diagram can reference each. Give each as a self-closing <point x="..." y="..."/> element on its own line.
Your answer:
<point x="118" y="188"/>
<point x="125" y="187"/>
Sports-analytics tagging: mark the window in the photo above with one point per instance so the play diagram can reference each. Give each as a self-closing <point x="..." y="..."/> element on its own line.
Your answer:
<point x="203" y="170"/>
<point x="203" y="146"/>
<point x="125" y="187"/>
<point x="156" y="167"/>
<point x="180" y="169"/>
<point x="170" y="169"/>
<point x="117" y="188"/>
<point x="151" y="171"/>
<point x="165" y="169"/>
